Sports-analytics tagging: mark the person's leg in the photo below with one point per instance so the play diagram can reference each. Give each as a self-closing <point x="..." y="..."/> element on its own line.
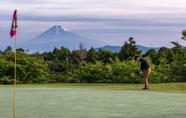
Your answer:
<point x="146" y="75"/>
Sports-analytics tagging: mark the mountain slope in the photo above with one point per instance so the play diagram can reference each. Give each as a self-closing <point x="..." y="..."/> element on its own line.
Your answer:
<point x="118" y="48"/>
<point x="57" y="36"/>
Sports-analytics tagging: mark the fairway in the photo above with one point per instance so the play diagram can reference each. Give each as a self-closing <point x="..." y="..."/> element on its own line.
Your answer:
<point x="72" y="102"/>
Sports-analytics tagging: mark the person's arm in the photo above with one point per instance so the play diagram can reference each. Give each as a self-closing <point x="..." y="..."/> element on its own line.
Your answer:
<point x="141" y="68"/>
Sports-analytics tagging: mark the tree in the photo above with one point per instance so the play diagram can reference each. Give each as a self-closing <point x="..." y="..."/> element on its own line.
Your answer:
<point x="177" y="49"/>
<point x="105" y="56"/>
<point x="178" y="65"/>
<point x="30" y="69"/>
<point x="80" y="54"/>
<point x="152" y="54"/>
<point x="163" y="53"/>
<point x="58" y="59"/>
<point x="92" y="56"/>
<point x="175" y="52"/>
<point x="183" y="35"/>
<point x="8" y="49"/>
<point x="129" y="50"/>
<point x="47" y="56"/>
<point x="20" y="50"/>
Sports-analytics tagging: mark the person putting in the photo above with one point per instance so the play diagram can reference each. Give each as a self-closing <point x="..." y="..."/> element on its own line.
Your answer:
<point x="145" y="71"/>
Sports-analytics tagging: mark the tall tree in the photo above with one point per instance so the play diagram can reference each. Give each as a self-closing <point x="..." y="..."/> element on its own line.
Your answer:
<point x="184" y="34"/>
<point x="177" y="49"/>
<point x="152" y="54"/>
<point x="80" y="54"/>
<point x="129" y="50"/>
<point x="20" y="50"/>
<point x="58" y="59"/>
<point x="92" y="56"/>
<point x="8" y="49"/>
<point x="178" y="65"/>
<point x="164" y="53"/>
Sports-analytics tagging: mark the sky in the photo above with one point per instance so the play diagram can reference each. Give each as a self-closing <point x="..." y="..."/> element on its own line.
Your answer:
<point x="152" y="23"/>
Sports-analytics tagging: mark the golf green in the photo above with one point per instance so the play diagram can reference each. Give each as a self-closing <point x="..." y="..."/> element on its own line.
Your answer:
<point x="91" y="103"/>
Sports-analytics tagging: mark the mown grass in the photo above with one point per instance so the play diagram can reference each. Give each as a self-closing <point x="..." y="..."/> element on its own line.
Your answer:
<point x="163" y="87"/>
<point x="94" y="101"/>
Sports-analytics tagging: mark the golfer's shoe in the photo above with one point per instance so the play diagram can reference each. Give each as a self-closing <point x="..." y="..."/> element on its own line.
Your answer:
<point x="145" y="88"/>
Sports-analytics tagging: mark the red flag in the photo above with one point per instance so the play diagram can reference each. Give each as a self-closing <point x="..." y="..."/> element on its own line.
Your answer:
<point x="14" y="24"/>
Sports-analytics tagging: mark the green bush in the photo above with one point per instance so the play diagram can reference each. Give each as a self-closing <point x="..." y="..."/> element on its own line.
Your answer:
<point x="6" y="80"/>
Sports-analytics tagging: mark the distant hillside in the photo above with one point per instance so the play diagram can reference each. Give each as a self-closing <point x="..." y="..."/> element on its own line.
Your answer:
<point x="118" y="48"/>
<point x="56" y="36"/>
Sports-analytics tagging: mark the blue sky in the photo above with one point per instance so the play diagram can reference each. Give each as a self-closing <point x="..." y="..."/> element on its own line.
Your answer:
<point x="152" y="23"/>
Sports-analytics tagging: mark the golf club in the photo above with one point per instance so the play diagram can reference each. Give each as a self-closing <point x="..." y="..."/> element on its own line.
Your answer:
<point x="135" y="87"/>
<point x="138" y="81"/>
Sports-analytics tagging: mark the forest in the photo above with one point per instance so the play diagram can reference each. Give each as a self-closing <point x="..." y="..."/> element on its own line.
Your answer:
<point x="89" y="66"/>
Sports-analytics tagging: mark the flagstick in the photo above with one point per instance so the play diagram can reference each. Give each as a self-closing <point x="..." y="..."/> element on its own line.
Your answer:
<point x="15" y="75"/>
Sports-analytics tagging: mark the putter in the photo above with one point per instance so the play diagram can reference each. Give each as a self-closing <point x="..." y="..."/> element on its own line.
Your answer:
<point x="135" y="88"/>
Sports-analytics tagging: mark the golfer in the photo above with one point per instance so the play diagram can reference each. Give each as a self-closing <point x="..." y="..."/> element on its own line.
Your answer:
<point x="145" y="69"/>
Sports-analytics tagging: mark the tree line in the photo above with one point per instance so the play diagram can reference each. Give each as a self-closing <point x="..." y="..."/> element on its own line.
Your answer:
<point x="89" y="66"/>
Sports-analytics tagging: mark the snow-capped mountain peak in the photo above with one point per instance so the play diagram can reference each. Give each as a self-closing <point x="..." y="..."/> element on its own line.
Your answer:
<point x="56" y="30"/>
<point x="58" y="27"/>
<point x="57" y="36"/>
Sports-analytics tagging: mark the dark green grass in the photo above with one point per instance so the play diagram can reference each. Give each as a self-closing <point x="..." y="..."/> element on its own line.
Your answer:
<point x="94" y="101"/>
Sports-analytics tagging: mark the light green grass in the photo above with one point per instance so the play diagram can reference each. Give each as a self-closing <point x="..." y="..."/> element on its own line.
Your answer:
<point x="94" y="101"/>
<point x="164" y="87"/>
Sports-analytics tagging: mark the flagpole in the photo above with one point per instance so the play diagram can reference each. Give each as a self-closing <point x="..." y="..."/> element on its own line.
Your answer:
<point x="12" y="33"/>
<point x="15" y="40"/>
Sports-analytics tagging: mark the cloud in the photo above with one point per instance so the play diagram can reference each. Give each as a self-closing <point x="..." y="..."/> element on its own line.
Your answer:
<point x="107" y="19"/>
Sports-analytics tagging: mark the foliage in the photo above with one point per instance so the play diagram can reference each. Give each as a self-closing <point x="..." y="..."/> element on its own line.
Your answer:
<point x="105" y="56"/>
<point x="29" y="69"/>
<point x="81" y="66"/>
<point x="114" y="72"/>
<point x="184" y="34"/>
<point x="91" y="55"/>
<point x="178" y="67"/>
<point x="152" y="54"/>
<point x="160" y="73"/>
<point x="80" y="54"/>
<point x="129" y="50"/>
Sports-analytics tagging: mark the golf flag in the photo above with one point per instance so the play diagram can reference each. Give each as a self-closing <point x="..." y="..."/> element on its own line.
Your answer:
<point x="12" y="33"/>
<point x="14" y="24"/>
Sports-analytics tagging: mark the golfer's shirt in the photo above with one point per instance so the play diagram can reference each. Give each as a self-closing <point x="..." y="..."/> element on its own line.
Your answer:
<point x="144" y="64"/>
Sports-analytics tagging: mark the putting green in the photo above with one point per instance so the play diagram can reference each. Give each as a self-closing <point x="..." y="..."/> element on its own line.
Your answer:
<point x="91" y="103"/>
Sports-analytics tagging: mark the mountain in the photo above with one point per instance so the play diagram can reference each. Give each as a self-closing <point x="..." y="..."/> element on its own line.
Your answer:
<point x="57" y="36"/>
<point x="118" y="48"/>
<point x="109" y="47"/>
